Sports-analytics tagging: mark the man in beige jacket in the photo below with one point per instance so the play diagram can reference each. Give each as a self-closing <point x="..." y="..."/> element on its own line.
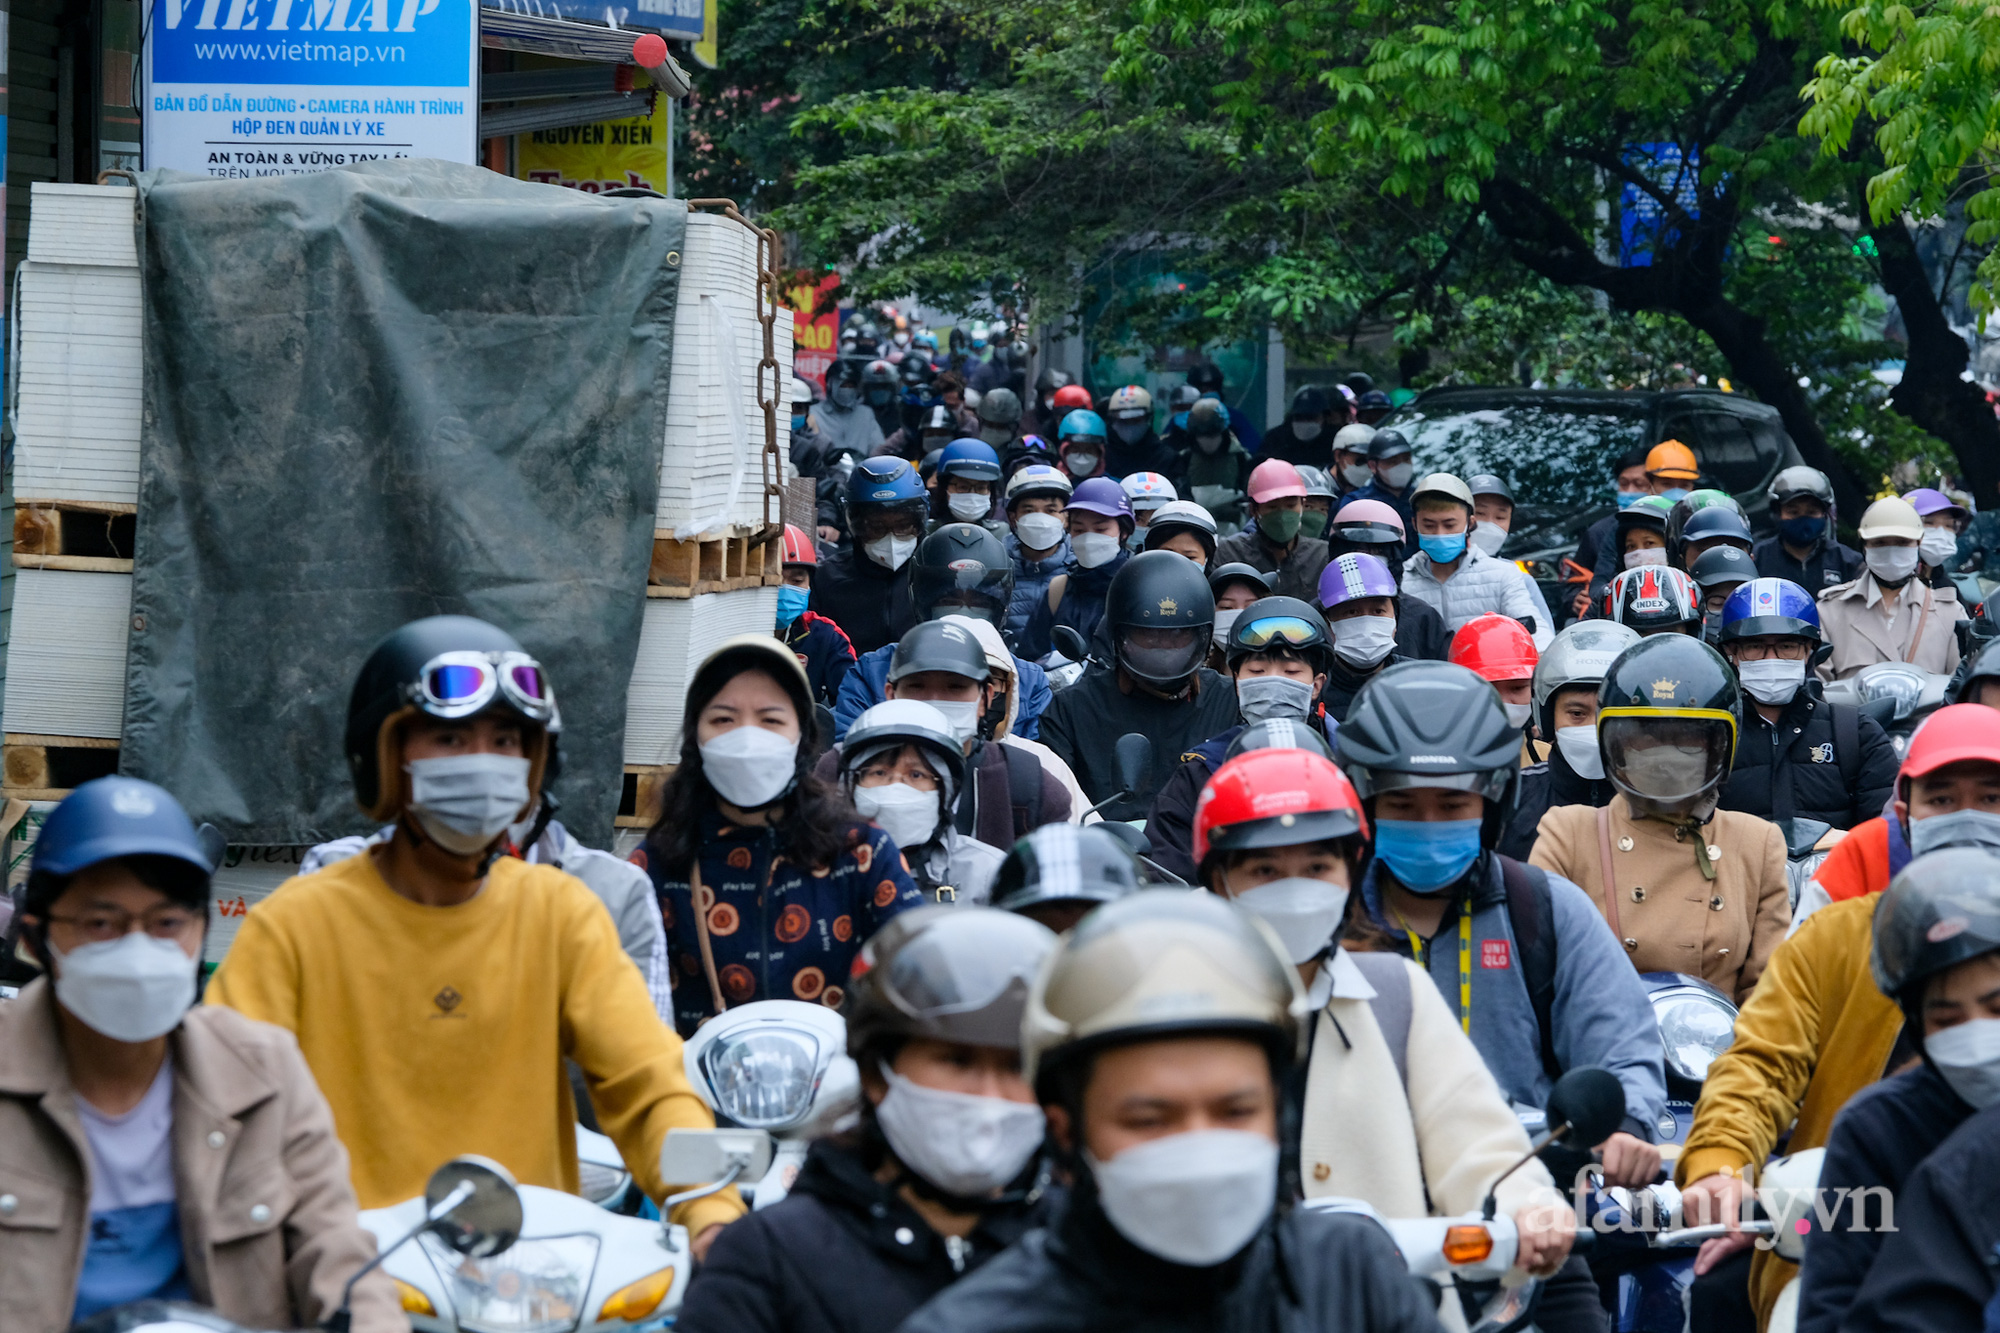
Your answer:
<point x="1888" y="614"/>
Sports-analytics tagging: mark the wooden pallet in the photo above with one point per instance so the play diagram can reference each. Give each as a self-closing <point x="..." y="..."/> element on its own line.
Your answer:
<point x="645" y="789"/>
<point x="92" y="536"/>
<point x="744" y="558"/>
<point x="48" y="768"/>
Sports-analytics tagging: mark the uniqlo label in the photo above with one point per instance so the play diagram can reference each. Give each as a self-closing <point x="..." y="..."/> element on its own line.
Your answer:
<point x="1495" y="953"/>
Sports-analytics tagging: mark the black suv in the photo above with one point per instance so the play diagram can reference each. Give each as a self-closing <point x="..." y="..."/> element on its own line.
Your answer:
<point x="1555" y="449"/>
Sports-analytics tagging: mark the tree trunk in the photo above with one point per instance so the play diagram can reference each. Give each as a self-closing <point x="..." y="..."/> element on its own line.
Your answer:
<point x="1931" y="394"/>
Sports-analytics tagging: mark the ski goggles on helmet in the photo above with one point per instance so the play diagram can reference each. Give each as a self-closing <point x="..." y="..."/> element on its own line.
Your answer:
<point x="459" y="684"/>
<point x="1289" y="630"/>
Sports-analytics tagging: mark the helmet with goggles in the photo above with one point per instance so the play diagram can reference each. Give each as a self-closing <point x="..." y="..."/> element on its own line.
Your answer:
<point x="1161" y="614"/>
<point x="951" y="974"/>
<point x="1281" y="625"/>
<point x="1276" y="798"/>
<point x="1668" y="715"/>
<point x="1654" y="599"/>
<point x="1579" y="656"/>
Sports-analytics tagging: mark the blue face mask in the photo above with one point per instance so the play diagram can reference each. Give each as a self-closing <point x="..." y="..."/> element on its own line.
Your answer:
<point x="791" y="603"/>
<point x="1427" y="855"/>
<point x="798" y="421"/>
<point x="1180" y="420"/>
<point x="1626" y="499"/>
<point x="1801" y="531"/>
<point x="1443" y="549"/>
<point x="1673" y="493"/>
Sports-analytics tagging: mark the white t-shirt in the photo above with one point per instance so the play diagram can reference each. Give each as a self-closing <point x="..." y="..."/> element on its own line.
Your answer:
<point x="134" y="1249"/>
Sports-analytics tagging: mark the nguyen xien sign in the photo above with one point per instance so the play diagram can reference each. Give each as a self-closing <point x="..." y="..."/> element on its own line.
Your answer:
<point x="278" y="87"/>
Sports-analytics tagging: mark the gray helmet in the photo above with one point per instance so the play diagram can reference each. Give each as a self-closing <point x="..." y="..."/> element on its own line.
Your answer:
<point x="1280" y="733"/>
<point x="888" y="727"/>
<point x="1792" y="482"/>
<point x="935" y="645"/>
<point x="1065" y="863"/>
<point x="1000" y="407"/>
<point x="1943" y="909"/>
<point x="1579" y="655"/>
<point x="1354" y="437"/>
<point x="1486" y="483"/>
<point x="1317" y="482"/>
<point x="957" y="974"/>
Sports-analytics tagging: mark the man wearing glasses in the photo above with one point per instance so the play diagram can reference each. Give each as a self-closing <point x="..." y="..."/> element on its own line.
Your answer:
<point x="1799" y="756"/>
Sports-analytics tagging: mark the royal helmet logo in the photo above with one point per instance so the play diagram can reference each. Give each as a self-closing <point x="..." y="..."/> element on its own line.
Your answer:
<point x="1664" y="689"/>
<point x="1169" y="607"/>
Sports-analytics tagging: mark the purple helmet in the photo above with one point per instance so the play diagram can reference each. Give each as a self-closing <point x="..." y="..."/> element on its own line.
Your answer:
<point x="1101" y="495"/>
<point x="1927" y="502"/>
<point x="1355" y="574"/>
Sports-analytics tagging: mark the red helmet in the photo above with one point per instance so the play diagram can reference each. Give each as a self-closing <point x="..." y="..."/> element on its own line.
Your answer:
<point x="1496" y="648"/>
<point x="1949" y="736"/>
<point x="1070" y="397"/>
<point x="1276" y="798"/>
<point x="799" y="548"/>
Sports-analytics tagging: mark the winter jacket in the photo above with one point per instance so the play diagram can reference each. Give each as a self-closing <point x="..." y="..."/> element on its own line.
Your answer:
<point x="986" y="808"/>
<point x="1148" y="454"/>
<point x="1282" y="442"/>
<point x="1814" y="1032"/>
<point x="1297" y="575"/>
<point x="1081" y="608"/>
<point x="841" y="1253"/>
<point x="870" y="603"/>
<point x="854" y="428"/>
<point x="1864" y="630"/>
<point x="867" y="685"/>
<point x="1863" y="862"/>
<point x="1669" y="913"/>
<point x="823" y="649"/>
<point x="1305" y="1271"/>
<point x="778" y="931"/>
<point x="268" y="1227"/>
<point x="1217" y="481"/>
<point x="1170" y="822"/>
<point x="1877" y="1141"/>
<point x="1421" y="1136"/>
<point x="1829" y="563"/>
<point x="1936" y="1270"/>
<point x="1083" y="724"/>
<point x="1398" y="501"/>
<point x="1599" y="1014"/>
<point x="1595" y="542"/>
<point x="1794" y="768"/>
<point x="1031" y="582"/>
<point x="1545" y="787"/>
<point x="1480" y="584"/>
<point x="1420" y="632"/>
<point x="1343" y="682"/>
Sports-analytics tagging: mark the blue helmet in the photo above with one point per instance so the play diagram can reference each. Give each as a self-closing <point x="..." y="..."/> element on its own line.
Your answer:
<point x="1769" y="606"/>
<point x="109" y="818"/>
<point x="974" y="460"/>
<point x="884" y="481"/>
<point x="1081" y="422"/>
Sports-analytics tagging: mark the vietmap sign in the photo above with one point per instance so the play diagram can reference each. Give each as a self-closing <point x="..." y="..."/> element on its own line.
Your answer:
<point x="610" y="155"/>
<point x="280" y="87"/>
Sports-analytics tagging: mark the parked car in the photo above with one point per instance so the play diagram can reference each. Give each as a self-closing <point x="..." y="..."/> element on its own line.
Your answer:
<point x="1555" y="448"/>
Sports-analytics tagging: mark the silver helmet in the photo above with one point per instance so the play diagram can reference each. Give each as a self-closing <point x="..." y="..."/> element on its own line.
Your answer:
<point x="1577" y="656"/>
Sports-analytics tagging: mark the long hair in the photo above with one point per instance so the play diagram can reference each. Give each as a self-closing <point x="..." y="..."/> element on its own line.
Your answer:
<point x="814" y="821"/>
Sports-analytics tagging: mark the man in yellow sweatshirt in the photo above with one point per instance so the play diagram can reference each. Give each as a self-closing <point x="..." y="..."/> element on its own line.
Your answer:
<point x="436" y="987"/>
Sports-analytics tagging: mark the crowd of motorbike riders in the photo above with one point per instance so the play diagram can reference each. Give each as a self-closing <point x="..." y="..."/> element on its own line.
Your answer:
<point x="1405" y="841"/>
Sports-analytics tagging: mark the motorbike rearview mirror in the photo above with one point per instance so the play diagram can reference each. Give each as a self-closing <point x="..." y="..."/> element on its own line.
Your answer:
<point x="714" y="1159"/>
<point x="1135" y="761"/>
<point x="471" y="1203"/>
<point x="1585" y="1107"/>
<point x="1134" y="840"/>
<point x="1069" y="643"/>
<point x="1802" y="835"/>
<point x="1883" y="710"/>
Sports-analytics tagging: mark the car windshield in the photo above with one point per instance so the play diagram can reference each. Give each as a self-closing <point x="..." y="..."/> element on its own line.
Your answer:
<point x="1555" y="457"/>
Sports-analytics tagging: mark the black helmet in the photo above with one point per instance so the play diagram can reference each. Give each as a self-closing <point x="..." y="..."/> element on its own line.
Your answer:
<point x="1943" y="909"/>
<point x="937" y="645"/>
<point x="1722" y="564"/>
<point x="1280" y="622"/>
<point x="1236" y="571"/>
<point x="961" y="570"/>
<point x="1207" y="377"/>
<point x="879" y="374"/>
<point x="1162" y="596"/>
<point x="1432" y="724"/>
<point x="1683" y="511"/>
<point x="1065" y="862"/>
<point x="1715" y="523"/>
<point x="449" y="667"/>
<point x="1666" y="703"/>
<point x="1387" y="444"/>
<point x="999" y="407"/>
<point x="952" y="974"/>
<point x="915" y="372"/>
<point x="1985" y="666"/>
<point x="1280" y="733"/>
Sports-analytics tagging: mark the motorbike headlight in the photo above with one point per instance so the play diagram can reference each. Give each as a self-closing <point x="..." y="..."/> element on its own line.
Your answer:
<point x="1905" y="685"/>
<point x="1694" y="1029"/>
<point x="537" y="1286"/>
<point x="763" y="1077"/>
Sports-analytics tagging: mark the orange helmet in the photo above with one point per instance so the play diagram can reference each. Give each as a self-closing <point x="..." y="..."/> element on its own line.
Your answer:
<point x="1674" y="461"/>
<point x="1070" y="397"/>
<point x="1276" y="798"/>
<point x="799" y="548"/>
<point x="1494" y="647"/>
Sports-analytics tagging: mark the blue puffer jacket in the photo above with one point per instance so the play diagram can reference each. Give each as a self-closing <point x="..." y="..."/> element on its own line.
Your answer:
<point x="864" y="686"/>
<point x="1031" y="583"/>
<point x="1082" y="607"/>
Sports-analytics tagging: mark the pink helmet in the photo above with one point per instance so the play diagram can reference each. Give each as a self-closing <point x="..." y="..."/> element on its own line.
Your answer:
<point x="1273" y="479"/>
<point x="1370" y="513"/>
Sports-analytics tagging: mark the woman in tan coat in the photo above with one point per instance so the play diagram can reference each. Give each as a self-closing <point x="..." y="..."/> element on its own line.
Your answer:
<point x="1685" y="887"/>
<point x="1889" y="614"/>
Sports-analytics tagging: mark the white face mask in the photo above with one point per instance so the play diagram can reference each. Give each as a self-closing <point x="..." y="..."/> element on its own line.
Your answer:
<point x="465" y="801"/>
<point x="133" y="988"/>
<point x="1305" y="430"/>
<point x="1038" y="531"/>
<point x="1665" y="772"/>
<point x="1224" y="622"/>
<point x="1518" y="714"/>
<point x="964" y="1144"/>
<point x="890" y="552"/>
<point x="1095" y="548"/>
<point x="748" y="766"/>
<point x="1363" y="641"/>
<point x="970" y="508"/>
<point x="1487" y="537"/>
<point x="1649" y="555"/>
<point x="1958" y="828"/>
<point x="963" y="715"/>
<point x="1773" y="680"/>
<point x="1194" y="1199"/>
<point x="1261" y="698"/>
<point x="1580" y="752"/>
<point x="1080" y="464"/>
<point x="1357" y="475"/>
<point x="1938" y="545"/>
<point x="1968" y="1056"/>
<point x="1398" y="475"/>
<point x="907" y="815"/>
<point x="1892" y="564"/>
<point x="1303" y="912"/>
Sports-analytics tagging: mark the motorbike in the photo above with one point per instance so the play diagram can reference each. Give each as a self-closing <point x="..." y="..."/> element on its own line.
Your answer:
<point x="1895" y="694"/>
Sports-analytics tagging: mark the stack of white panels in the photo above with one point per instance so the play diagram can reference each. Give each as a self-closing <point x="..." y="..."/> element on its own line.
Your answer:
<point x="245" y="878"/>
<point x="66" y="655"/>
<point x="676" y="635"/>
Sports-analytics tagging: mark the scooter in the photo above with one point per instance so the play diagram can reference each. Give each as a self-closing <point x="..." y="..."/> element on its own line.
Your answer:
<point x="1895" y="694"/>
